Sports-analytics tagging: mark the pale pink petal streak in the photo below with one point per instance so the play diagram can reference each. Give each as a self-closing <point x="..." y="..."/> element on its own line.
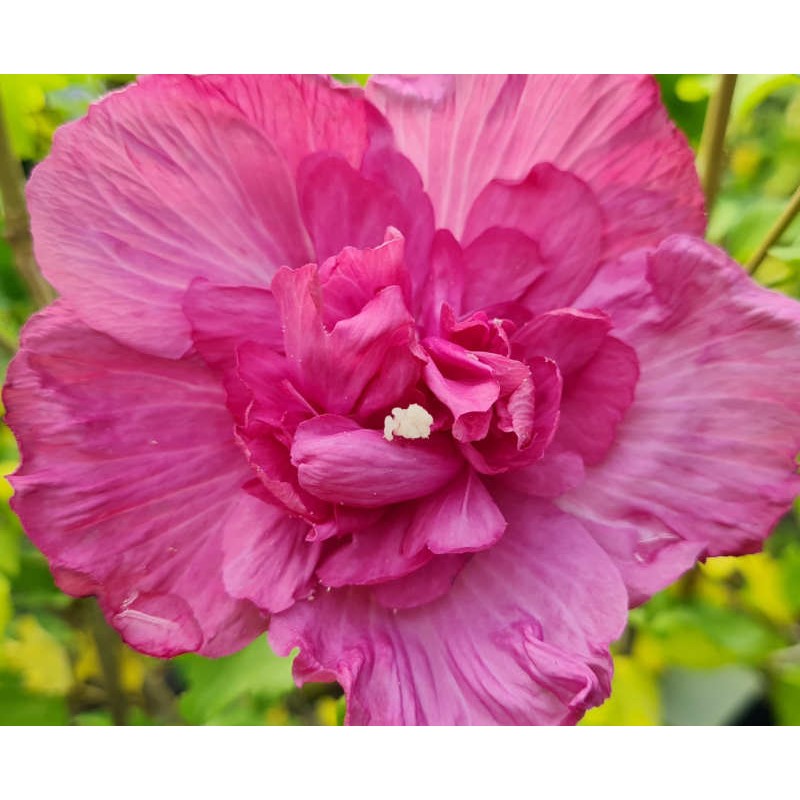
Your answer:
<point x="612" y="132"/>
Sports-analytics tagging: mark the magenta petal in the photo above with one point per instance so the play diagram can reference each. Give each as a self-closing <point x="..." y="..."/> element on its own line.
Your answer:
<point x="557" y="212"/>
<point x="223" y="317"/>
<point x="352" y="277"/>
<point x="445" y="281"/>
<point x="161" y="183"/>
<point x="131" y="477"/>
<point x="555" y="473"/>
<point x="611" y="131"/>
<point x="365" y="362"/>
<point x="340" y="462"/>
<point x="415" y="218"/>
<point x="595" y="400"/>
<point x="376" y="554"/>
<point x="428" y="583"/>
<point x="567" y="336"/>
<point x="706" y="452"/>
<point x="500" y="265"/>
<point x="343" y="208"/>
<point x="267" y="558"/>
<point x="271" y="397"/>
<point x="521" y="638"/>
<point x="459" y="518"/>
<point x="459" y="379"/>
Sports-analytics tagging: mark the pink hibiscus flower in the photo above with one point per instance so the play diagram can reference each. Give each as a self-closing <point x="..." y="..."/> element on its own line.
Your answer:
<point x="432" y="380"/>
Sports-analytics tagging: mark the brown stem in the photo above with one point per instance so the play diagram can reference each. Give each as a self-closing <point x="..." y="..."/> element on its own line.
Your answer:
<point x="17" y="223"/>
<point x="713" y="139"/>
<point x="107" y="643"/>
<point x="776" y="231"/>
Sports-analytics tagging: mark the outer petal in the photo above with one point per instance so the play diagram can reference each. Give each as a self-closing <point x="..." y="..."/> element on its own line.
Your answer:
<point x="521" y="638"/>
<point x="130" y="478"/>
<point x="706" y="453"/>
<point x="303" y="114"/>
<point x="464" y="131"/>
<point x="159" y="184"/>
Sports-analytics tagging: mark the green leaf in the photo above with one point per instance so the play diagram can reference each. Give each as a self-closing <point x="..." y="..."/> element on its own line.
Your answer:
<point x="361" y="80"/>
<point x="785" y="696"/>
<point x="18" y="707"/>
<point x="789" y="561"/>
<point x="698" y="635"/>
<point x="752" y="90"/>
<point x="217" y="684"/>
<point x="6" y="609"/>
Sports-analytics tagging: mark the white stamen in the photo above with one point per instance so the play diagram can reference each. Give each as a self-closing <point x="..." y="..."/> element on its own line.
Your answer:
<point x="413" y="422"/>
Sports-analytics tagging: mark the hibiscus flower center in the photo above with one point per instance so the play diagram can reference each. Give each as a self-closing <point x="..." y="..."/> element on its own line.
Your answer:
<point x="413" y="422"/>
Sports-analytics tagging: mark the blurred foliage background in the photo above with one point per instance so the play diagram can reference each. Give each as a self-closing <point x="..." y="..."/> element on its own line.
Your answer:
<point x="720" y="647"/>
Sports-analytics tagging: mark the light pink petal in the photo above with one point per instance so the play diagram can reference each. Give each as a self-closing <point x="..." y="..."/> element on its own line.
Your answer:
<point x="303" y="114"/>
<point x="521" y="637"/>
<point x="558" y="214"/>
<point x="612" y="132"/>
<point x="161" y="183"/>
<point x="131" y="477"/>
<point x="223" y="317"/>
<point x="706" y="453"/>
<point x="340" y="462"/>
